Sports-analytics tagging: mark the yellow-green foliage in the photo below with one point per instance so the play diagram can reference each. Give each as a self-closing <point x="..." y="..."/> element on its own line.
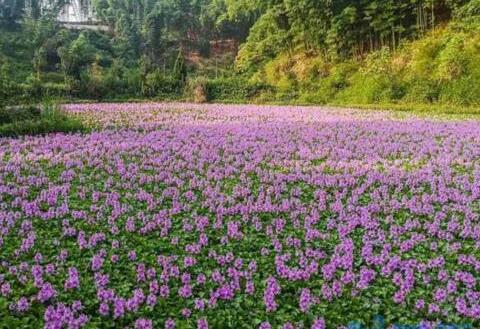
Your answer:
<point x="443" y="67"/>
<point x="279" y="73"/>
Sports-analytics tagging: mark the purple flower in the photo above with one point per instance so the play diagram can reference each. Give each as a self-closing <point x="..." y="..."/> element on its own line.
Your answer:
<point x="272" y="289"/>
<point x="419" y="304"/>
<point x="97" y="263"/>
<point x="250" y="288"/>
<point x="77" y="306"/>
<point x="170" y="324"/>
<point x="132" y="255"/>
<point x="63" y="316"/>
<point x="186" y="313"/>
<point x="440" y="295"/>
<point x="143" y="324"/>
<point x="332" y="205"/>
<point x="433" y="308"/>
<point x="288" y="325"/>
<point x="202" y="324"/>
<point x="265" y="325"/>
<point x="151" y="300"/>
<point x="199" y="304"/>
<point x="22" y="305"/>
<point x="189" y="261"/>
<point x="366" y="276"/>
<point x="5" y="289"/>
<point x="319" y="323"/>
<point x="104" y="309"/>
<point x="164" y="291"/>
<point x="119" y="308"/>
<point x="46" y="293"/>
<point x="305" y="300"/>
<point x="73" y="281"/>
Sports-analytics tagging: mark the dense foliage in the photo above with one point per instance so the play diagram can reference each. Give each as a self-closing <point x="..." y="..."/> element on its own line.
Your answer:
<point x="340" y="29"/>
<point x="214" y="216"/>
<point x="442" y="67"/>
<point x="309" y="51"/>
<point x="32" y="120"/>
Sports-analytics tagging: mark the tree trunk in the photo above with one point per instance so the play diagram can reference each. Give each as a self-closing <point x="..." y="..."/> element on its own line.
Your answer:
<point x="433" y="14"/>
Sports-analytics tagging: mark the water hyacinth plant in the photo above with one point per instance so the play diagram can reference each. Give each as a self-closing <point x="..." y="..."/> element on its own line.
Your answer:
<point x="215" y="216"/>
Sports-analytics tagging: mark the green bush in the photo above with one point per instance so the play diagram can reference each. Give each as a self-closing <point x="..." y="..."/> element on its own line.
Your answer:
<point x="470" y="11"/>
<point x="196" y="90"/>
<point x="422" y="90"/>
<point x="158" y="85"/>
<point x="233" y="89"/>
<point x="120" y="82"/>
<point x="35" y="90"/>
<point x="53" y="77"/>
<point x="33" y="121"/>
<point x="18" y="114"/>
<point x="462" y="91"/>
<point x="369" y="89"/>
<point x="439" y="68"/>
<point x="9" y="91"/>
<point x="329" y="87"/>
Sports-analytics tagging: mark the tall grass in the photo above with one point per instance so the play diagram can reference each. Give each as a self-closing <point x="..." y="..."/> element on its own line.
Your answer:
<point x="32" y="120"/>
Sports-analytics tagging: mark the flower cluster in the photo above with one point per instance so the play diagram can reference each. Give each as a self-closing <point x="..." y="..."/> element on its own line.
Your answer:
<point x="211" y="216"/>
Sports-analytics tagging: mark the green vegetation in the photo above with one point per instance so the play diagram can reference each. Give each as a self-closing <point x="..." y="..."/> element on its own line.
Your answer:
<point x="229" y="90"/>
<point x="342" y="52"/>
<point x="440" y="68"/>
<point x="19" y="114"/>
<point x="31" y="120"/>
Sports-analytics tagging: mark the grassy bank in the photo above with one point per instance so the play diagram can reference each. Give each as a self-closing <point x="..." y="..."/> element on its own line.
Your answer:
<point x="37" y="120"/>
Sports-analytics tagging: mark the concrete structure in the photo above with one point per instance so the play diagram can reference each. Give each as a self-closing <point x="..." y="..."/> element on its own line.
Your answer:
<point x="76" y="12"/>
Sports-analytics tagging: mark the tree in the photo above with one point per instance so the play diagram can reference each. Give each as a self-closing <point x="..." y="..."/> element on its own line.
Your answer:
<point x="77" y="56"/>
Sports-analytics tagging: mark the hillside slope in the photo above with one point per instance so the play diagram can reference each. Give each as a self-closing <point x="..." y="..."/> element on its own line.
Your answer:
<point x="442" y="67"/>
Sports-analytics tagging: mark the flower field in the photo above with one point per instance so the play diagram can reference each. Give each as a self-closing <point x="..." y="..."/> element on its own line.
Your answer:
<point x="215" y="216"/>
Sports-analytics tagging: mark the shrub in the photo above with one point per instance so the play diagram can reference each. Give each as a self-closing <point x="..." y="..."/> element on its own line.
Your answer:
<point x="369" y="89"/>
<point x="118" y="81"/>
<point x="234" y="89"/>
<point x="18" y="114"/>
<point x="470" y="11"/>
<point x="463" y="91"/>
<point x="91" y="83"/>
<point x="327" y="88"/>
<point x="197" y="88"/>
<point x="56" y="90"/>
<point x="53" y="77"/>
<point x="9" y="90"/>
<point x="308" y="68"/>
<point x="421" y="90"/>
<point x="310" y="97"/>
<point x="439" y="68"/>
<point x="156" y="84"/>
<point x="34" y="121"/>
<point x="36" y="90"/>
<point x="451" y="61"/>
